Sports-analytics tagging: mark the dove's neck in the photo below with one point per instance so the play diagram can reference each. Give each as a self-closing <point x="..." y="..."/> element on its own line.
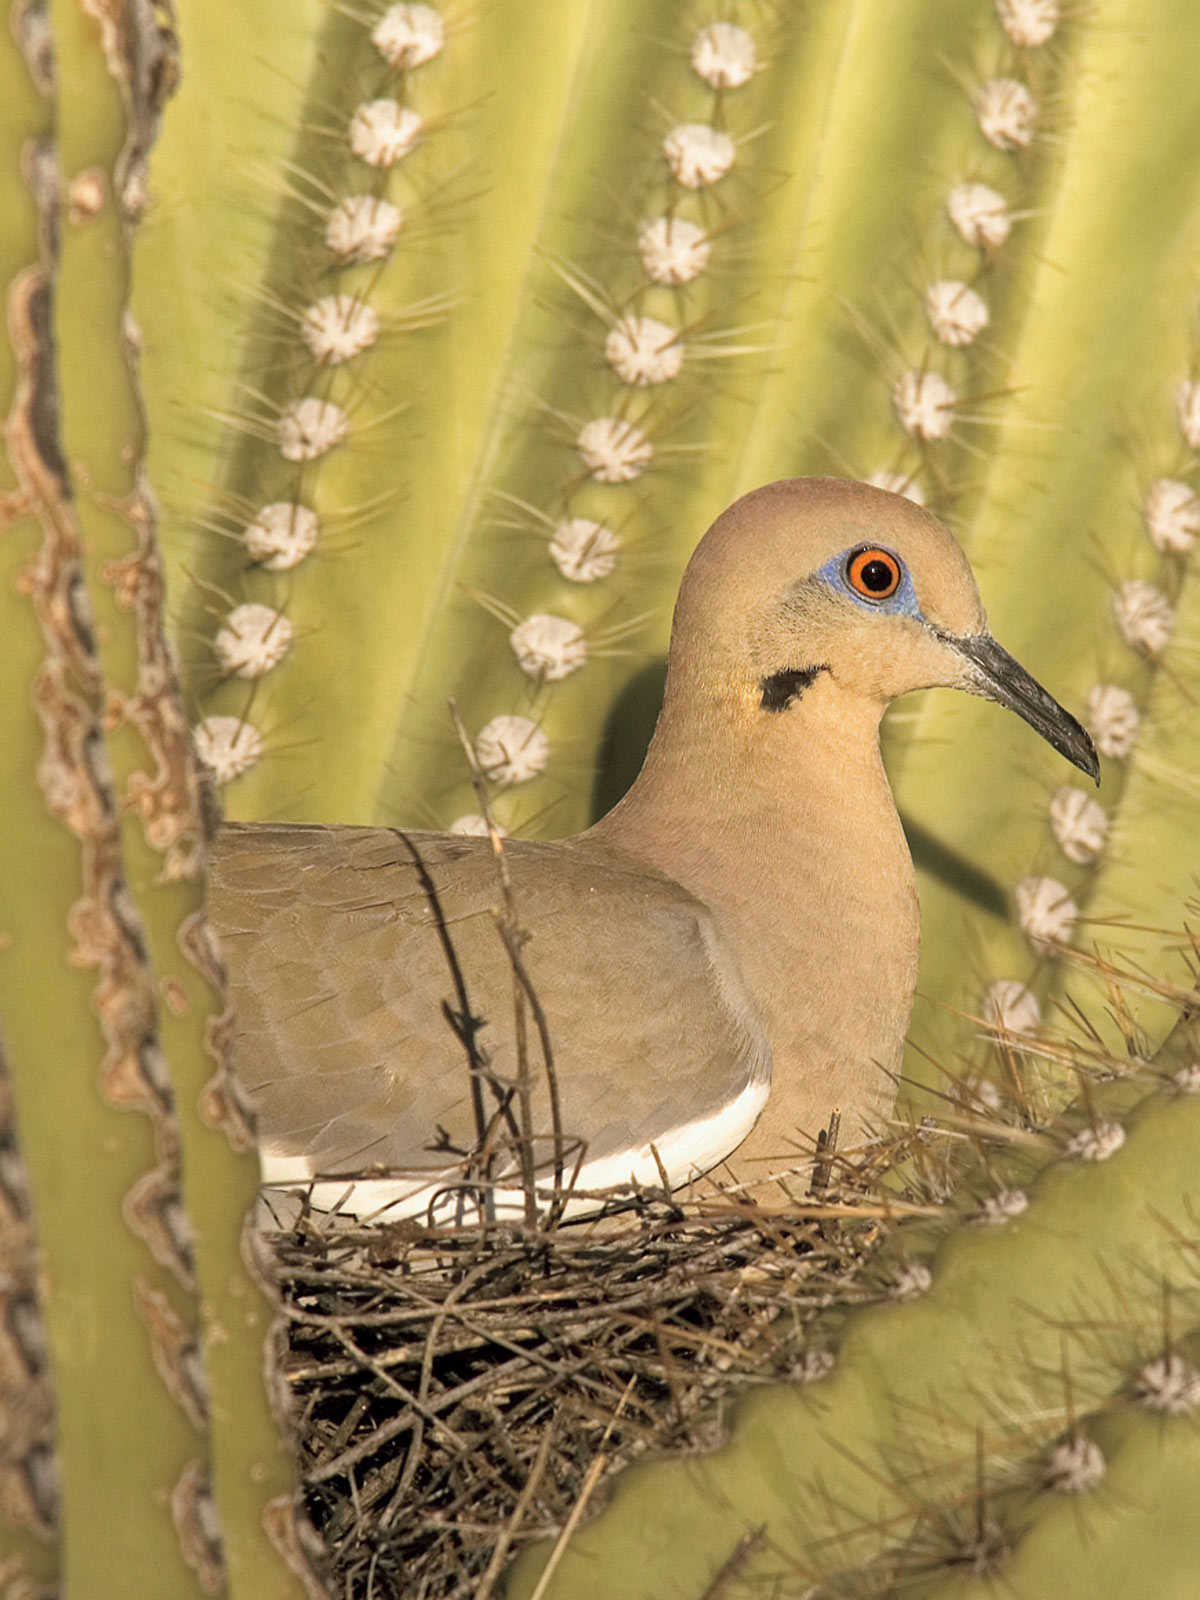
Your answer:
<point x="783" y="822"/>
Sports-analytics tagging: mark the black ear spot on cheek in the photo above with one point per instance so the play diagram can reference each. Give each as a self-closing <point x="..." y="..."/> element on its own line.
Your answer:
<point x="781" y="688"/>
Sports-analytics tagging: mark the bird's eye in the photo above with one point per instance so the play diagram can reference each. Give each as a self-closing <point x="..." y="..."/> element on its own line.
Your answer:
<point x="875" y="574"/>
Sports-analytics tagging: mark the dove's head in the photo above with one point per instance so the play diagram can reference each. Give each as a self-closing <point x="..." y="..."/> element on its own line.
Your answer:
<point x="811" y="577"/>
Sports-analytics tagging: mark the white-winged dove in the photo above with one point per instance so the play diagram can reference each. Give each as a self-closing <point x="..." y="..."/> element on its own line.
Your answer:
<point x="724" y="959"/>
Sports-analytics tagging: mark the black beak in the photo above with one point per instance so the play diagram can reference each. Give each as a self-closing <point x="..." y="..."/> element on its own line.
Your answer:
<point x="997" y="676"/>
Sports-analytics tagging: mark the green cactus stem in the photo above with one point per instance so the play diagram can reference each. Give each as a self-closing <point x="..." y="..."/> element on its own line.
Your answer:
<point x="445" y="404"/>
<point x="108" y="990"/>
<point x="1064" y="1298"/>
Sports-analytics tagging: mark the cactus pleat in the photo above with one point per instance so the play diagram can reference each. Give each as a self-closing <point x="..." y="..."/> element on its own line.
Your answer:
<point x="366" y="566"/>
<point x="1013" y="1359"/>
<point x="109" y="999"/>
<point x="1090" y="426"/>
<point x="596" y="313"/>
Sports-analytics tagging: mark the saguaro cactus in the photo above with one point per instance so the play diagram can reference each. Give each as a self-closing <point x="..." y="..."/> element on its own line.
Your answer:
<point x="152" y="1481"/>
<point x="457" y="324"/>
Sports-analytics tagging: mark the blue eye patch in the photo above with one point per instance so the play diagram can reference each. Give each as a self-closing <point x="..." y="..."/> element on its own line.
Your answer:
<point x="855" y="572"/>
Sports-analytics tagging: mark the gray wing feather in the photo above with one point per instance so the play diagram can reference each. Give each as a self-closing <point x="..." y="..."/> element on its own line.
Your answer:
<point x="339" y="982"/>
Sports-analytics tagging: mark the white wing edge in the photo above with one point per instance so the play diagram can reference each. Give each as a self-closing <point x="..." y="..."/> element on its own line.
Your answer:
<point x="686" y="1152"/>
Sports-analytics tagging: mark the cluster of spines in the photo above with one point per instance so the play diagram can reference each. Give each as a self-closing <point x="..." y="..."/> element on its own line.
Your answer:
<point x="651" y="335"/>
<point x="1140" y="617"/>
<point x="930" y="397"/>
<point x="1139" y="620"/>
<point x="326" y="340"/>
<point x="967" y="1478"/>
<point x="1138" y="1358"/>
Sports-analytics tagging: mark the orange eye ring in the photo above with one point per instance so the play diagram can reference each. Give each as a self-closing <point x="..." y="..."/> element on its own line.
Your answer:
<point x="873" y="573"/>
